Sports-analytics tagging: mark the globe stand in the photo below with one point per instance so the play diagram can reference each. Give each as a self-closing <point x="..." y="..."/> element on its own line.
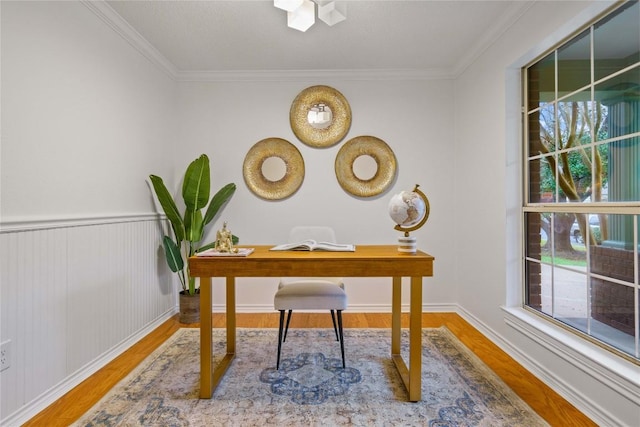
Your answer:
<point x="407" y="244"/>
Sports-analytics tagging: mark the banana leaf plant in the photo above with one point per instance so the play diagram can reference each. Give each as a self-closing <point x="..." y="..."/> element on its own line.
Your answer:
<point x="189" y="227"/>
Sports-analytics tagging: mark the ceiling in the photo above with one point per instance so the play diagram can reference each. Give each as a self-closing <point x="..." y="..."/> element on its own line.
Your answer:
<point x="223" y="36"/>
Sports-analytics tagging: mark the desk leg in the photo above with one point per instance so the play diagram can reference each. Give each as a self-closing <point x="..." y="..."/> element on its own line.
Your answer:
<point x="412" y="375"/>
<point x="396" y="315"/>
<point x="209" y="379"/>
<point x="222" y="367"/>
<point x="206" y="385"/>
<point x="415" y="340"/>
<point x="396" y="335"/>
<point x="231" y="315"/>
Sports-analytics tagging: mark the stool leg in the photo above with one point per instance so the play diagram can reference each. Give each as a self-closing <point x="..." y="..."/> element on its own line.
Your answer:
<point x="280" y="338"/>
<point x="287" y="328"/>
<point x="333" y="319"/>
<point x="341" y="337"/>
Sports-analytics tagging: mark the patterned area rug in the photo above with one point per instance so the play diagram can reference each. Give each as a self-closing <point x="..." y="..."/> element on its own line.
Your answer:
<point x="311" y="388"/>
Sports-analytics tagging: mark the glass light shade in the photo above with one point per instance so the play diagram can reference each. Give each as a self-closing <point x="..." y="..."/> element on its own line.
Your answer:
<point x="288" y="5"/>
<point x="331" y="13"/>
<point x="303" y="17"/>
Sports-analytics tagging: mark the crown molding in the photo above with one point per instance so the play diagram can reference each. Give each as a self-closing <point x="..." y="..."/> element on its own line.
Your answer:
<point x="106" y="13"/>
<point x="510" y="17"/>
<point x="121" y="27"/>
<point x="304" y="75"/>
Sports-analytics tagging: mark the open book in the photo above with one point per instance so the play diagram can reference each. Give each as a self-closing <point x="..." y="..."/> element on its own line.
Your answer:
<point x="312" y="245"/>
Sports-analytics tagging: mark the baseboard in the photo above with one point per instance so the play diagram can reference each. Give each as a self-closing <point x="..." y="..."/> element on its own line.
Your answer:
<point x="599" y="364"/>
<point x="587" y="406"/>
<point x="40" y="403"/>
<point x="354" y="308"/>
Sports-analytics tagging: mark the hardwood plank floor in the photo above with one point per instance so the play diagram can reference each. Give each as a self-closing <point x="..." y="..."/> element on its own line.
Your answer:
<point x="551" y="406"/>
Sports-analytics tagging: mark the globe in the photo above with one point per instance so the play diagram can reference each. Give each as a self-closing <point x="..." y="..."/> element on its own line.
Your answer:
<point x="409" y="209"/>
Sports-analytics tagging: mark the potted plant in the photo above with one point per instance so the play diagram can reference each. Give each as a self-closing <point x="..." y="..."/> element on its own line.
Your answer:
<point x="189" y="228"/>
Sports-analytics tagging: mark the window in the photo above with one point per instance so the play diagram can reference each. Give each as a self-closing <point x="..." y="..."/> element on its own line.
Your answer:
<point x="582" y="182"/>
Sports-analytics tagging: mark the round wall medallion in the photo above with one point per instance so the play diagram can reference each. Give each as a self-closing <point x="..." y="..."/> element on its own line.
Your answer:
<point x="273" y="169"/>
<point x="351" y="180"/>
<point x="320" y="116"/>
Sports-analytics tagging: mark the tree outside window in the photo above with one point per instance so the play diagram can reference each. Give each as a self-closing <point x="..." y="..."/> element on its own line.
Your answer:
<point x="582" y="163"/>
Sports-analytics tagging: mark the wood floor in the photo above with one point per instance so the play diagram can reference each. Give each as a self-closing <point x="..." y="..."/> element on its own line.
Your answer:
<point x="541" y="398"/>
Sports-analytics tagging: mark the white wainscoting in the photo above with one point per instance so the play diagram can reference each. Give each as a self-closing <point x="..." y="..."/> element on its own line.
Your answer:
<point x="74" y="294"/>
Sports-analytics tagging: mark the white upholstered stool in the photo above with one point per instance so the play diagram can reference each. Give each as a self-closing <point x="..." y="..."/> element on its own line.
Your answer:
<point x="310" y="294"/>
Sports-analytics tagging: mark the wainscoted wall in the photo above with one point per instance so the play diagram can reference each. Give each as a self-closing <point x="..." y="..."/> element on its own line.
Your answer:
<point x="74" y="295"/>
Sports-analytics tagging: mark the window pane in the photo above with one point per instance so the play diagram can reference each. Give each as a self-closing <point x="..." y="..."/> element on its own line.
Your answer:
<point x="575" y="169"/>
<point x="570" y="294"/>
<point x="575" y="115"/>
<point x="540" y="292"/>
<point x="535" y="147"/>
<point x="616" y="231"/>
<point x="533" y="291"/>
<point x="611" y="259"/>
<point x="547" y="126"/>
<point x="568" y="250"/>
<point x="542" y="188"/>
<point x="541" y="82"/>
<point x="624" y="170"/>
<point x="612" y="311"/>
<point x="537" y="234"/>
<point x="588" y="230"/>
<point x="574" y="64"/>
<point x="600" y="190"/>
<point x="617" y="41"/>
<point x="619" y="95"/>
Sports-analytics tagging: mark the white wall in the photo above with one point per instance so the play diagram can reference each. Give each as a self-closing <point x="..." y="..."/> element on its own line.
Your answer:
<point x="414" y="117"/>
<point x="85" y="119"/>
<point x="487" y="153"/>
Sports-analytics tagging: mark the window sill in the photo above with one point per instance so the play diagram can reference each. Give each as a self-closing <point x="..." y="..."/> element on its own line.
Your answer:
<point x="613" y="371"/>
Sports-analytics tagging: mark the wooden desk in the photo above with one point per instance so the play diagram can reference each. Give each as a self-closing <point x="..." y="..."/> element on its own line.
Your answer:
<point x="366" y="261"/>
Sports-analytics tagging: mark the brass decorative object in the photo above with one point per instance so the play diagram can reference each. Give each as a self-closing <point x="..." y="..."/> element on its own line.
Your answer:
<point x="224" y="240"/>
<point x="258" y="183"/>
<point x="381" y="154"/>
<point x="320" y="116"/>
<point x="410" y="211"/>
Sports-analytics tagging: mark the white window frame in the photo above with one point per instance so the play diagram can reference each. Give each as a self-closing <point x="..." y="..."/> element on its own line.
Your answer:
<point x="628" y="208"/>
<point x="617" y="373"/>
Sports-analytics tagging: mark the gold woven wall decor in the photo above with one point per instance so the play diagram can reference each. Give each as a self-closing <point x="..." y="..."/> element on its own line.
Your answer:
<point x="335" y="122"/>
<point x="365" y="146"/>
<point x="254" y="176"/>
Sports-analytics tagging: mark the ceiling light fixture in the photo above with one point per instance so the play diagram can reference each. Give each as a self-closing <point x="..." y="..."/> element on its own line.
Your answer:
<point x="301" y="14"/>
<point x="303" y="17"/>
<point x="331" y="12"/>
<point x="288" y="5"/>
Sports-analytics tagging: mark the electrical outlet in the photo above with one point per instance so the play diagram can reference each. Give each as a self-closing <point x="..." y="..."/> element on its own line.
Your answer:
<point x="5" y="355"/>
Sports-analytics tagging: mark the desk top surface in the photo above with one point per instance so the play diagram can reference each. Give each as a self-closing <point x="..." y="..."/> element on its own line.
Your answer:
<point x="366" y="261"/>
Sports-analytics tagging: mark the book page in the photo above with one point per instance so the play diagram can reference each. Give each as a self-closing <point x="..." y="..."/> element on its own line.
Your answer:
<point x="306" y="245"/>
<point x="311" y="245"/>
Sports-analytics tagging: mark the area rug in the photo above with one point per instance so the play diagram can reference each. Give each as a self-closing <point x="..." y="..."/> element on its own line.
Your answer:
<point x="311" y="388"/>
